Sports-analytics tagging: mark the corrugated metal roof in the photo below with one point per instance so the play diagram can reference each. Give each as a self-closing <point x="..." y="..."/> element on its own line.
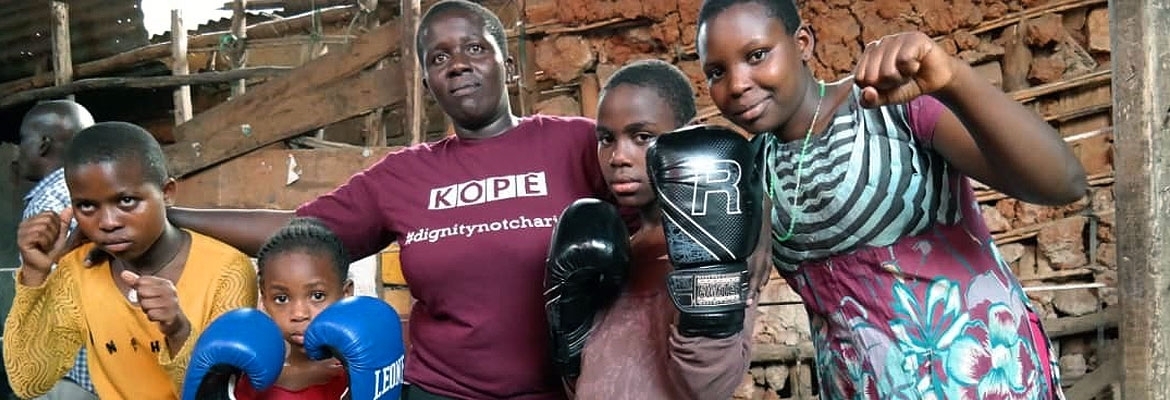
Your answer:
<point x="219" y="25"/>
<point x="97" y="29"/>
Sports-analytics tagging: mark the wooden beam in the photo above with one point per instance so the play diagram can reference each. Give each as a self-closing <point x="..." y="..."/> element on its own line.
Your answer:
<point x="1098" y="78"/>
<point x="261" y="178"/>
<point x="310" y="97"/>
<point x="783" y="352"/>
<point x="286" y="41"/>
<point x="590" y="95"/>
<point x="149" y="82"/>
<point x="414" y="115"/>
<point x="310" y="142"/>
<point x="179" y="67"/>
<point x="256" y="5"/>
<point x="240" y="32"/>
<point x="1141" y="97"/>
<point x="1066" y="326"/>
<point x="374" y="125"/>
<point x="1031" y="12"/>
<point x="525" y="62"/>
<point x="268" y="29"/>
<point x="62" y="54"/>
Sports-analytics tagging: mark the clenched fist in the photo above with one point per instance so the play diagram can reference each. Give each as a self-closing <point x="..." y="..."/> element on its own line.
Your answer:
<point x="897" y="68"/>
<point x="160" y="302"/>
<point x="42" y="241"/>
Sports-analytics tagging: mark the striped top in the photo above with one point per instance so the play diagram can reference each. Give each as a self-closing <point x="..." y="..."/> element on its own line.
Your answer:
<point x="867" y="181"/>
<point x="908" y="297"/>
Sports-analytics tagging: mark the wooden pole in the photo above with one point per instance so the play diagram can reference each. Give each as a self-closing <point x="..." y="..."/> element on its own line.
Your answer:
<point x="375" y="125"/>
<point x="525" y="63"/>
<point x="1141" y="96"/>
<point x="414" y="112"/>
<point x="240" y="31"/>
<point x="590" y="95"/>
<point x="62" y="56"/>
<point x="179" y="67"/>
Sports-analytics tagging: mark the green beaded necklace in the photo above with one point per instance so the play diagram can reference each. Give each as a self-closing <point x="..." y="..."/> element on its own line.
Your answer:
<point x="773" y="184"/>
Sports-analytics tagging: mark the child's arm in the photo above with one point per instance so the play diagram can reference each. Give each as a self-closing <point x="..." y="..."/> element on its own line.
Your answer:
<point x="714" y="368"/>
<point x="43" y="332"/>
<point x="45" y="325"/>
<point x="985" y="134"/>
<point x="236" y="288"/>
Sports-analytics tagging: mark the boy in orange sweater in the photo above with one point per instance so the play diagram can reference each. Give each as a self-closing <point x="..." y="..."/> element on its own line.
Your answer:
<point x="132" y="312"/>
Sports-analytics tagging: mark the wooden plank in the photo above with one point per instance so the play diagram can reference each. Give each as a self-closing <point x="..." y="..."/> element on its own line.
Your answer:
<point x="1067" y="326"/>
<point x="415" y="115"/>
<point x="375" y="122"/>
<point x="1032" y="12"/>
<point x="62" y="54"/>
<point x="1030" y="94"/>
<point x="256" y="5"/>
<point x="782" y="352"/>
<point x="590" y="95"/>
<point x="261" y="179"/>
<point x="179" y="67"/>
<point x="149" y="82"/>
<point x="391" y="265"/>
<point x="311" y="142"/>
<point x="310" y="97"/>
<point x="268" y="29"/>
<point x="525" y="62"/>
<point x="263" y="121"/>
<point x="240" y="32"/>
<point x="286" y="41"/>
<point x="1141" y="96"/>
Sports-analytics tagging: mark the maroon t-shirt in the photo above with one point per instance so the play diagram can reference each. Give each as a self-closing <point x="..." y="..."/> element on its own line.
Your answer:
<point x="474" y="219"/>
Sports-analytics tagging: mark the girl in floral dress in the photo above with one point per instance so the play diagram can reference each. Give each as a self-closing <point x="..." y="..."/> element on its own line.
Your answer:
<point x="874" y="223"/>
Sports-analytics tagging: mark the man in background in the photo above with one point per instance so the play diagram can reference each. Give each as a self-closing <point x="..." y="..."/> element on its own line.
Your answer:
<point x="45" y="132"/>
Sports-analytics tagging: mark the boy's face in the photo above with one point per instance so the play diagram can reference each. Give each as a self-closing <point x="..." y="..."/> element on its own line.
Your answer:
<point x="117" y="207"/>
<point x="297" y="286"/>
<point x="629" y="118"/>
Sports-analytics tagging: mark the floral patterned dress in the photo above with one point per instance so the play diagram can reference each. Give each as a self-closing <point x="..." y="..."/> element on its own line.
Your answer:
<point x="907" y="293"/>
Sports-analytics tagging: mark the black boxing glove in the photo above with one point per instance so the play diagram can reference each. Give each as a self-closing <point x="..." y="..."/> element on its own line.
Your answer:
<point x="710" y="194"/>
<point x="588" y="261"/>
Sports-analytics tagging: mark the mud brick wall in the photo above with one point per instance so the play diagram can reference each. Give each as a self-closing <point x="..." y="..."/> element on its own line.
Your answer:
<point x="1052" y="56"/>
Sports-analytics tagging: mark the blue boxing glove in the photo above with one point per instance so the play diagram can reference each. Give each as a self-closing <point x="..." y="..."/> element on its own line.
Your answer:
<point x="365" y="334"/>
<point x="241" y="341"/>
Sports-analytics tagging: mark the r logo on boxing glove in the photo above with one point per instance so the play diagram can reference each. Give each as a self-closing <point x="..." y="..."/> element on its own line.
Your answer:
<point x="711" y="197"/>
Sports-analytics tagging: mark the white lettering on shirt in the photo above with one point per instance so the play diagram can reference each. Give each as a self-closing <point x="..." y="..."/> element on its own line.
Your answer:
<point x="496" y="188"/>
